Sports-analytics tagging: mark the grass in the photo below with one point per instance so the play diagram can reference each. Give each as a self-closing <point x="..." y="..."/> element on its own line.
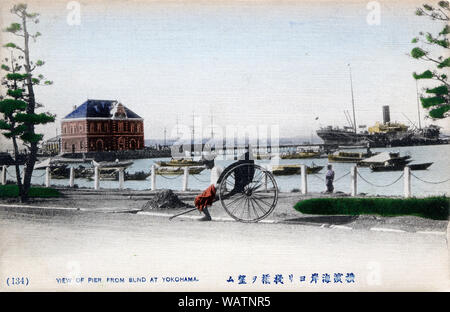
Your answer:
<point x="12" y="190"/>
<point x="436" y="208"/>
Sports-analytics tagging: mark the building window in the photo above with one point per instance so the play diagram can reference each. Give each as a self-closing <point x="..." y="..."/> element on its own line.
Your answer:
<point x="92" y="130"/>
<point x="120" y="127"/>
<point x="81" y="128"/>
<point x="99" y="127"/>
<point x="81" y="144"/>
<point x="132" y="127"/>
<point x="106" y="127"/>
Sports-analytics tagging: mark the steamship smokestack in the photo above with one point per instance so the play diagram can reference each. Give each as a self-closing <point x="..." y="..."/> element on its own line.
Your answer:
<point x="386" y="114"/>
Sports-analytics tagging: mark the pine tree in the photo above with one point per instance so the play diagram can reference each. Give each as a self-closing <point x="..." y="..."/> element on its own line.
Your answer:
<point x="18" y="106"/>
<point x="435" y="99"/>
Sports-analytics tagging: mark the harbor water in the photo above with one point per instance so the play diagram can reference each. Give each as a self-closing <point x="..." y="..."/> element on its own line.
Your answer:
<point x="424" y="182"/>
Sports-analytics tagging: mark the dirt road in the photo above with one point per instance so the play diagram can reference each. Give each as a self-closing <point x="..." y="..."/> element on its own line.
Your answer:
<point x="122" y="251"/>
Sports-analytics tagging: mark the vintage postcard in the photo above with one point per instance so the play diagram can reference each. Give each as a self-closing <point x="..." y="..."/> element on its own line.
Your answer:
<point x="228" y="146"/>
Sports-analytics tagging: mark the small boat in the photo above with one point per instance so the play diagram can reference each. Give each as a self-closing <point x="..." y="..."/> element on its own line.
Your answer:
<point x="137" y="176"/>
<point x="286" y="170"/>
<point x="302" y="154"/>
<point x="183" y="162"/>
<point x="423" y="166"/>
<point x="381" y="168"/>
<point x="294" y="169"/>
<point x="349" y="157"/>
<point x="314" y="169"/>
<point x="112" y="164"/>
<point x="380" y="159"/>
<point x="262" y="156"/>
<point x="178" y="171"/>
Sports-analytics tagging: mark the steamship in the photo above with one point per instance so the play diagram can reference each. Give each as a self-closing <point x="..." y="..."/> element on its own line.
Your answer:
<point x="386" y="134"/>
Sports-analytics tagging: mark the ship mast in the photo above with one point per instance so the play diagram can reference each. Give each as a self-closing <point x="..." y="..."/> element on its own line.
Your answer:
<point x="418" y="105"/>
<point x="353" y="100"/>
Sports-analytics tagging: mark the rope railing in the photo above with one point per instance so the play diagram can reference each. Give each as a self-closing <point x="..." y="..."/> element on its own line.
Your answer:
<point x="38" y="176"/>
<point x="429" y="182"/>
<point x="315" y="175"/>
<point x="170" y="178"/>
<point x="200" y="180"/>
<point x="377" y="185"/>
<point x="14" y="176"/>
<point x="344" y="175"/>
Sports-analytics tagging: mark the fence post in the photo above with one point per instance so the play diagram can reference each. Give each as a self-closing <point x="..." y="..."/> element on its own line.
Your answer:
<point x="121" y="178"/>
<point x="47" y="176"/>
<point x="185" y="178"/>
<point x="354" y="185"/>
<point x="153" y="178"/>
<point x="3" y="174"/>
<point x="96" y="178"/>
<point x="72" y="177"/>
<point x="304" y="179"/>
<point x="407" y="182"/>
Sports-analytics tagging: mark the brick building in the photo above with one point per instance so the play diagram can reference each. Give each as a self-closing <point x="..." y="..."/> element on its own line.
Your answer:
<point x="101" y="125"/>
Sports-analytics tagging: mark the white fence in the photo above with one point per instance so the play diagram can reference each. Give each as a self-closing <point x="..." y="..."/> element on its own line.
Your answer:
<point x="355" y="176"/>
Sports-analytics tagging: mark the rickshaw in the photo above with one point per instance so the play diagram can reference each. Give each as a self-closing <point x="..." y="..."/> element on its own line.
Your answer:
<point x="248" y="192"/>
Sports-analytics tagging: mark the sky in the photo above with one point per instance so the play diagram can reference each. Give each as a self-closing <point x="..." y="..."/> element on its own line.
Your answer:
<point x="281" y="63"/>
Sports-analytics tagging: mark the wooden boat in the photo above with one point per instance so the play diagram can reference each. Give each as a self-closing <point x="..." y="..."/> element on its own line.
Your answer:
<point x="301" y="155"/>
<point x="136" y="176"/>
<point x="294" y="169"/>
<point x="178" y="171"/>
<point x="113" y="164"/>
<point x="262" y="156"/>
<point x="381" y="168"/>
<point x="183" y="162"/>
<point x="349" y="157"/>
<point x="286" y="170"/>
<point x="380" y="159"/>
<point x="423" y="166"/>
<point x="314" y="169"/>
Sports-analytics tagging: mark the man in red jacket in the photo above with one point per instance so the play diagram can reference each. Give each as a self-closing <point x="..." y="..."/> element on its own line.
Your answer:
<point x="206" y="199"/>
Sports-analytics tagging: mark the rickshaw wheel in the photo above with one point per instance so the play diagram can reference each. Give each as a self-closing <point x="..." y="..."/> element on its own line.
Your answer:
<point x="252" y="197"/>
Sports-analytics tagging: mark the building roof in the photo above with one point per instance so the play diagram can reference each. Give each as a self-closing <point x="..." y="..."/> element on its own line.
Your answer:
<point x="99" y="109"/>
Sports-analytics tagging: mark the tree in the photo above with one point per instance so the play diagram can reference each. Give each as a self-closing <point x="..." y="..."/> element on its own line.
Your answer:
<point x="435" y="99"/>
<point x="19" y="104"/>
